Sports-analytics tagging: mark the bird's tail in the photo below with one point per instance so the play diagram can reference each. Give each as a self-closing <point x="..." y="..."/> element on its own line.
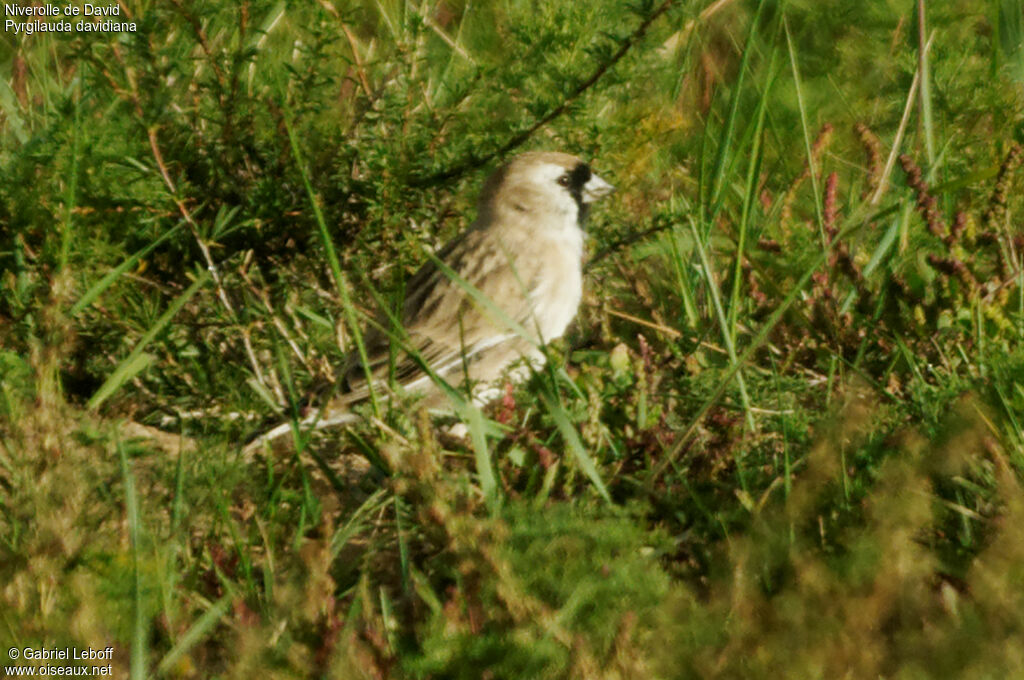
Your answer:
<point x="314" y="421"/>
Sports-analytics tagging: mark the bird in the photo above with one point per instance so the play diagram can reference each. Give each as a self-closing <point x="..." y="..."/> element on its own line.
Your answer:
<point x="481" y="308"/>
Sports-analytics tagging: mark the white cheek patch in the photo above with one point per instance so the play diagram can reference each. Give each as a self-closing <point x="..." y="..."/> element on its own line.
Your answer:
<point x="545" y="178"/>
<point x="549" y="172"/>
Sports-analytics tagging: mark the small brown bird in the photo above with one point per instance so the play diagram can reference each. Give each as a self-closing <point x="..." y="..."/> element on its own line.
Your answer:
<point x="504" y="287"/>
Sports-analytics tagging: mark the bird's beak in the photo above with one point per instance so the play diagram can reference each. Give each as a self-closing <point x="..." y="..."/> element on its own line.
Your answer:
<point x="595" y="188"/>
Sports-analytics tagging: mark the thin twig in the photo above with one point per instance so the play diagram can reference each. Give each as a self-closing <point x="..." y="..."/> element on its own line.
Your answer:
<point x="132" y="95"/>
<point x="204" y="42"/>
<point x="474" y="162"/>
<point x="890" y="162"/>
<point x="627" y="240"/>
<point x="671" y="332"/>
<point x="360" y="68"/>
<point x="210" y="266"/>
<point x="261" y="294"/>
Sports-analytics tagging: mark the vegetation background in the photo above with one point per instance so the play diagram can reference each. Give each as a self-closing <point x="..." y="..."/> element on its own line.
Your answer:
<point x="783" y="439"/>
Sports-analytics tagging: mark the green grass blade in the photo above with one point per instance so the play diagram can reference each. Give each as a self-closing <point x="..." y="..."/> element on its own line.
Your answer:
<point x="67" y="226"/>
<point x="340" y="280"/>
<point x="358" y="520"/>
<point x="727" y="133"/>
<point x="857" y="222"/>
<point x="137" y="670"/>
<point x="818" y="209"/>
<point x="749" y="200"/>
<point x="723" y="323"/>
<point x="100" y="286"/>
<point x="137" y="360"/>
<point x="925" y="91"/>
<point x="575" y="446"/>
<point x="474" y="419"/>
<point x="203" y="626"/>
<point x="134" y="363"/>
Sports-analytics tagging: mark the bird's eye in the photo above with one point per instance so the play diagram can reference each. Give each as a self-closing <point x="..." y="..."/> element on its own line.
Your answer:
<point x="564" y="180"/>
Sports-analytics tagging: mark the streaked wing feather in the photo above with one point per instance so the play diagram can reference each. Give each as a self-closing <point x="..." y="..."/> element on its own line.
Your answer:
<point x="442" y="320"/>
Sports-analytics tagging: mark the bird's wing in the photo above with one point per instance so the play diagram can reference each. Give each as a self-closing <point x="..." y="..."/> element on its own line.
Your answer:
<point x="443" y="322"/>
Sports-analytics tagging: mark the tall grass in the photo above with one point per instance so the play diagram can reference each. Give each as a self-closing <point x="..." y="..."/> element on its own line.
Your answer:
<point x="783" y="438"/>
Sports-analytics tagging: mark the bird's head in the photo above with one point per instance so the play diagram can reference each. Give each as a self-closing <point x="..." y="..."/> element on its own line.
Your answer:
<point x="542" y="185"/>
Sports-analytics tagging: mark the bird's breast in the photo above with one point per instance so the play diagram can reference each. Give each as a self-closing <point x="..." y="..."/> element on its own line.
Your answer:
<point x="558" y="291"/>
